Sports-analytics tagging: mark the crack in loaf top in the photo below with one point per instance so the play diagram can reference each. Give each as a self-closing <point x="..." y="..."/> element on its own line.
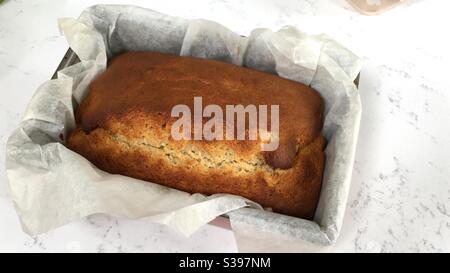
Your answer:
<point x="150" y="84"/>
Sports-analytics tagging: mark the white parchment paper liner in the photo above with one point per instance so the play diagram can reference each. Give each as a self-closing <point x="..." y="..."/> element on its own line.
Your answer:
<point x="52" y="186"/>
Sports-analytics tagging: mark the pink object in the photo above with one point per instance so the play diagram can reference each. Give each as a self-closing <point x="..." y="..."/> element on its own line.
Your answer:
<point x="222" y="222"/>
<point x="374" y="7"/>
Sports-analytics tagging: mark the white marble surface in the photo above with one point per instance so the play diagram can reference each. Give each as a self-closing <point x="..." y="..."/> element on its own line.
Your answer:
<point x="400" y="194"/>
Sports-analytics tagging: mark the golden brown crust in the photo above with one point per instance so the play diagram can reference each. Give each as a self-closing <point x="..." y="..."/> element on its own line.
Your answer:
<point x="124" y="127"/>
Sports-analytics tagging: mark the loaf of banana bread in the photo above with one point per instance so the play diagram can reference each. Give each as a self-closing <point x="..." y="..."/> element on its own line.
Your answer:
<point x="125" y="126"/>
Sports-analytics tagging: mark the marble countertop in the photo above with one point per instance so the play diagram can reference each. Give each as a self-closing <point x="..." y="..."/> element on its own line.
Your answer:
<point x="400" y="192"/>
